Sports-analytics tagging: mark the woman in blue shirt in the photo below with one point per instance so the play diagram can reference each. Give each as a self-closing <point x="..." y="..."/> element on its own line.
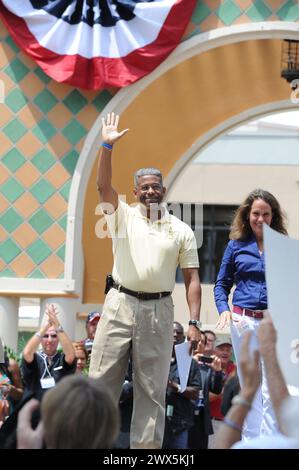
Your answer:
<point x="243" y="265"/>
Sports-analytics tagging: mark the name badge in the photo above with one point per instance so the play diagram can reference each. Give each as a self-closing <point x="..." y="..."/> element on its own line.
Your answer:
<point x="48" y="382"/>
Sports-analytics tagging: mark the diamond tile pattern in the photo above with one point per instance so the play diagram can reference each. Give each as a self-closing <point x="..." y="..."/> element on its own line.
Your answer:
<point x="15" y="100"/>
<point x="259" y="11"/>
<point x="41" y="75"/>
<point x="10" y="220"/>
<point x="16" y="70"/>
<point x="75" y="101"/>
<point x="42" y="190"/>
<point x="14" y="130"/>
<point x="44" y="131"/>
<point x="37" y="274"/>
<point x="40" y="221"/>
<point x="65" y="190"/>
<point x="45" y="101"/>
<point x="289" y="11"/>
<point x="228" y="12"/>
<point x="43" y="128"/>
<point x="12" y="190"/>
<point x="38" y="251"/>
<point x="43" y="160"/>
<point x="12" y="44"/>
<point x="101" y="100"/>
<point x="13" y="159"/>
<point x="74" y="131"/>
<point x="9" y="250"/>
<point x="69" y="161"/>
<point x="200" y="13"/>
<point x="61" y="253"/>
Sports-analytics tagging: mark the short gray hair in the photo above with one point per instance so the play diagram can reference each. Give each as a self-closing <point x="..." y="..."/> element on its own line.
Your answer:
<point x="145" y="172"/>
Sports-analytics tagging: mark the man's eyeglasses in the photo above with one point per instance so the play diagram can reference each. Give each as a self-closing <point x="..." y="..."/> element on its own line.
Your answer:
<point x="51" y="336"/>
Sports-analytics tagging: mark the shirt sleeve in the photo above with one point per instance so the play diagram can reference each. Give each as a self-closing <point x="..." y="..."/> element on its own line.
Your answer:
<point x="116" y="220"/>
<point x="194" y="379"/>
<point x="69" y="368"/>
<point x="188" y="257"/>
<point x="225" y="279"/>
<point x="29" y="370"/>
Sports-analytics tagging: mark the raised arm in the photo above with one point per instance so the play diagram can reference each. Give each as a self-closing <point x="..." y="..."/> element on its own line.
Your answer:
<point x="110" y="135"/>
<point x="64" y="340"/>
<point x="34" y="342"/>
<point x="230" y="431"/>
<point x="277" y="387"/>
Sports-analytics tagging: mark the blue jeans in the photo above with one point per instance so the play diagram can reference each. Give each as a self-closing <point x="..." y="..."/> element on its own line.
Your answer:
<point x="179" y="441"/>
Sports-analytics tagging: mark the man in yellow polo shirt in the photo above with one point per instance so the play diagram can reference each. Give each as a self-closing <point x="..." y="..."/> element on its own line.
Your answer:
<point x="148" y="245"/>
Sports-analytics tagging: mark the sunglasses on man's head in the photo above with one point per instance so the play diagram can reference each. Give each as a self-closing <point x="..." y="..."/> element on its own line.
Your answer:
<point x="51" y="336"/>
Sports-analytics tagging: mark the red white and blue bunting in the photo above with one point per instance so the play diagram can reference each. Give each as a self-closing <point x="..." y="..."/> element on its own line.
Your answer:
<point x="95" y="44"/>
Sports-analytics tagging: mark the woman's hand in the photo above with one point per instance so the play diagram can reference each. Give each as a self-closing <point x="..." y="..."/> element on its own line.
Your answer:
<point x="224" y="319"/>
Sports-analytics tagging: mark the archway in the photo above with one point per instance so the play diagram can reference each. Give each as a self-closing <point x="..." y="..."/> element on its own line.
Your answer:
<point x="211" y="92"/>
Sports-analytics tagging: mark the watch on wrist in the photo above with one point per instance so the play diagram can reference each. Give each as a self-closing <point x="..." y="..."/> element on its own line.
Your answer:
<point x="238" y="400"/>
<point x="59" y="329"/>
<point x="195" y="323"/>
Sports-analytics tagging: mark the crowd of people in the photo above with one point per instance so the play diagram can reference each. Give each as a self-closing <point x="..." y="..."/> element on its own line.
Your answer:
<point x="134" y="395"/>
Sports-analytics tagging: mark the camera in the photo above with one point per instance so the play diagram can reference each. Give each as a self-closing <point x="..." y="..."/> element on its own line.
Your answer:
<point x="206" y="359"/>
<point x="88" y="345"/>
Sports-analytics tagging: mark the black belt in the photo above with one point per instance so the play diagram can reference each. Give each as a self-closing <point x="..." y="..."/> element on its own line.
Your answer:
<point x="141" y="295"/>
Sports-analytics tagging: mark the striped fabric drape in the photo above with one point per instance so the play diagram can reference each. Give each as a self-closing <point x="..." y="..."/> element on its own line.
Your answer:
<point x="94" y="44"/>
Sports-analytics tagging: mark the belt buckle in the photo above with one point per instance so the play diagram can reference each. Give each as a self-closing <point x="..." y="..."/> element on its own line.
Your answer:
<point x="160" y="295"/>
<point x="139" y="295"/>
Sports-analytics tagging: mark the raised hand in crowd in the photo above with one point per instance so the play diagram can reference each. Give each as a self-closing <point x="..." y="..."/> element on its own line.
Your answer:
<point x="278" y="390"/>
<point x="231" y="430"/>
<point x="52" y="312"/>
<point x="27" y="437"/>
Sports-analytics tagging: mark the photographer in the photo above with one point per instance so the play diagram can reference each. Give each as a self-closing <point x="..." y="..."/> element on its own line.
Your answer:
<point x="212" y="381"/>
<point x="91" y="327"/>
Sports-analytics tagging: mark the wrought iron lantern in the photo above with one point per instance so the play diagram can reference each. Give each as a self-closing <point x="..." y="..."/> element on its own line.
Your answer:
<point x="290" y="62"/>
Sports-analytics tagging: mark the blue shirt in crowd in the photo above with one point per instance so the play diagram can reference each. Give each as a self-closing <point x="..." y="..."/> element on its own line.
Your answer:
<point x="242" y="265"/>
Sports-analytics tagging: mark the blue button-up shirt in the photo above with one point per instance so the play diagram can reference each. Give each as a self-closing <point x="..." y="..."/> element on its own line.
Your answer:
<point x="242" y="265"/>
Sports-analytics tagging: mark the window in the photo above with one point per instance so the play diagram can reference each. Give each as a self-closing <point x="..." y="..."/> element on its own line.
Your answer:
<point x="216" y="222"/>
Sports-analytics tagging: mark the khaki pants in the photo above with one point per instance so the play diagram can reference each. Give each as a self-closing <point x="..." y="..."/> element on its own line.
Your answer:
<point x="147" y="327"/>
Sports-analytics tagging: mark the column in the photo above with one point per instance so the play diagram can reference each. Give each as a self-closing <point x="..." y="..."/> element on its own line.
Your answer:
<point x="9" y="318"/>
